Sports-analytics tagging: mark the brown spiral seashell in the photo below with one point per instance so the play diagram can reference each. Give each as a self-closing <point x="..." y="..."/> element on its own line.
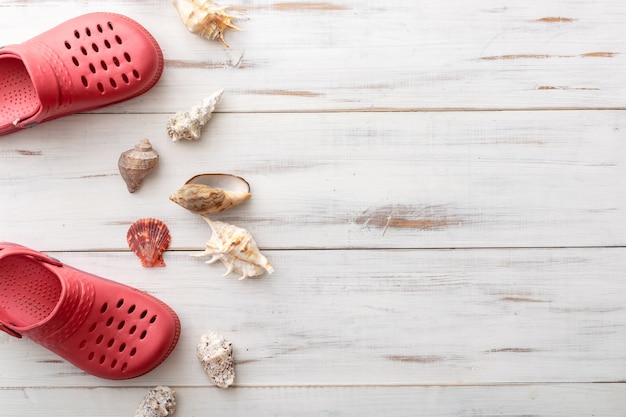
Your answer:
<point x="212" y="193"/>
<point x="149" y="238"/>
<point x="136" y="163"/>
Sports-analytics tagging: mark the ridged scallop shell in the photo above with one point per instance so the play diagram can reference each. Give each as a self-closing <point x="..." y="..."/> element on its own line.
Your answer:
<point x="188" y="124"/>
<point x="159" y="402"/>
<point x="216" y="356"/>
<point x="202" y="194"/>
<point x="236" y="249"/>
<point x="135" y="164"/>
<point x="149" y="238"/>
<point x="205" y="19"/>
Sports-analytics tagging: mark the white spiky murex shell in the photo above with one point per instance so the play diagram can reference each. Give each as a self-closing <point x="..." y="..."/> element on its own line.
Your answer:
<point x="235" y="247"/>
<point x="205" y="19"/>
<point x="159" y="402"/>
<point x="216" y="356"/>
<point x="188" y="124"/>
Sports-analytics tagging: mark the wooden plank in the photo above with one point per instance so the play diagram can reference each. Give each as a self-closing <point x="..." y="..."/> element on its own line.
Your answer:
<point x="376" y="317"/>
<point x="350" y="55"/>
<point x="573" y="400"/>
<point x="345" y="180"/>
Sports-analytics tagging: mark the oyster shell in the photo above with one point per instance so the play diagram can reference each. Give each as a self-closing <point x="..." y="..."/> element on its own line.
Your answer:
<point x="203" y="194"/>
<point x="216" y="356"/>
<point x="236" y="249"/>
<point x="149" y="238"/>
<point x="188" y="124"/>
<point x="135" y="164"/>
<point x="205" y="19"/>
<point x="159" y="402"/>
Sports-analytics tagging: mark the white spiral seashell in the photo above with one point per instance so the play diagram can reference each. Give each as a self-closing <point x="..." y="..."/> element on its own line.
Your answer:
<point x="188" y="124"/>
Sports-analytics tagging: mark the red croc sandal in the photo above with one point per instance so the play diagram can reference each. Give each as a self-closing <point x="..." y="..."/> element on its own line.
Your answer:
<point x="105" y="328"/>
<point x="87" y="62"/>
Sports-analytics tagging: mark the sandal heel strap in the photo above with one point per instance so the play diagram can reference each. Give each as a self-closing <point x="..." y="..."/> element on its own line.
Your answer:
<point x="43" y="66"/>
<point x="9" y="331"/>
<point x="72" y="309"/>
<point x="11" y="250"/>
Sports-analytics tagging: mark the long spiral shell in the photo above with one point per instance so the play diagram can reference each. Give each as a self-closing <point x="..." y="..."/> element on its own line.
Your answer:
<point x="188" y="124"/>
<point x="204" y="199"/>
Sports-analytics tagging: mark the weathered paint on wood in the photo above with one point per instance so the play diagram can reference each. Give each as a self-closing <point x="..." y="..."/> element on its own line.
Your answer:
<point x="346" y="180"/>
<point x="369" y="317"/>
<point x="375" y="56"/>
<point x="537" y="400"/>
<point x="439" y="186"/>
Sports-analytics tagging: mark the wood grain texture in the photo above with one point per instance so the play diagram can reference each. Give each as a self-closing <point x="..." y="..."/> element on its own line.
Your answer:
<point x="438" y="185"/>
<point x="581" y="400"/>
<point x="346" y="180"/>
<point x="414" y="317"/>
<point x="371" y="56"/>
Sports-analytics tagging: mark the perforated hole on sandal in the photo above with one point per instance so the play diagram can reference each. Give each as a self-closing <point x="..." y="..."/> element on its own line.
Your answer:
<point x="88" y="43"/>
<point x="124" y="332"/>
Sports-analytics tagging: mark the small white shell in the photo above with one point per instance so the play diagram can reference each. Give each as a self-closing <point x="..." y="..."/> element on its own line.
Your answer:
<point x="216" y="356"/>
<point x="188" y="124"/>
<point x="236" y="249"/>
<point x="159" y="402"/>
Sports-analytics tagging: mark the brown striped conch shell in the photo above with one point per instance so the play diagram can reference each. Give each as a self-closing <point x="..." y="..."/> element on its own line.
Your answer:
<point x="216" y="356"/>
<point x="149" y="238"/>
<point x="212" y="193"/>
<point x="205" y="19"/>
<point x="136" y="163"/>
<point x="188" y="124"/>
<point x="159" y="402"/>
<point x="236" y="249"/>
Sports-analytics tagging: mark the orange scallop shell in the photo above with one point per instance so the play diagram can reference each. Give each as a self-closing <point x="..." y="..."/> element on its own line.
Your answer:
<point x="149" y="238"/>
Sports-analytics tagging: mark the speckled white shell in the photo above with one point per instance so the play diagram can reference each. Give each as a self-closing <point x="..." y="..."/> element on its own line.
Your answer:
<point x="159" y="402"/>
<point x="216" y="356"/>
<point x="188" y="124"/>
<point x="236" y="249"/>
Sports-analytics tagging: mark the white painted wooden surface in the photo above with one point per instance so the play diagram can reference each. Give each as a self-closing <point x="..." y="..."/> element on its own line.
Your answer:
<point x="439" y="186"/>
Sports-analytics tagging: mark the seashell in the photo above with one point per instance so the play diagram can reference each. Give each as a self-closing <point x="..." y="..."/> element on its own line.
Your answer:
<point x="136" y="163"/>
<point x="188" y="124"/>
<point x="149" y="238"/>
<point x="159" y="402"/>
<point x="205" y="19"/>
<point x="202" y="194"/>
<point x="236" y="249"/>
<point x="216" y="356"/>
